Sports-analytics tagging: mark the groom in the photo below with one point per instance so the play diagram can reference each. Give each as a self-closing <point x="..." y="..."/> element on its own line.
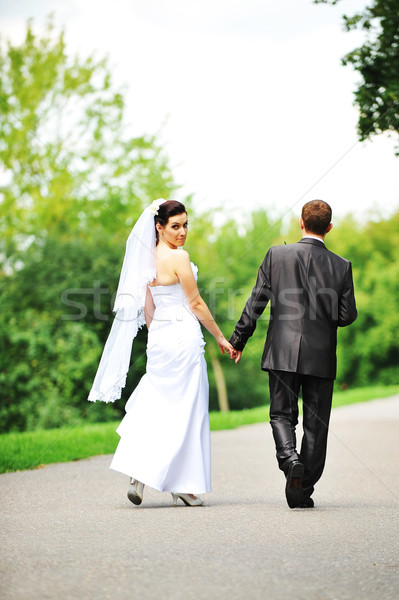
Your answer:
<point x="311" y="294"/>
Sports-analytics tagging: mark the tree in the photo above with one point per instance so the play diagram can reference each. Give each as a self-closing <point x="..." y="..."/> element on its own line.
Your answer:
<point x="73" y="182"/>
<point x="69" y="166"/>
<point x="377" y="61"/>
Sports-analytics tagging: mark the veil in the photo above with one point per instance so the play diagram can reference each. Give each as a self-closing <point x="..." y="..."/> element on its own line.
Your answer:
<point x="138" y="269"/>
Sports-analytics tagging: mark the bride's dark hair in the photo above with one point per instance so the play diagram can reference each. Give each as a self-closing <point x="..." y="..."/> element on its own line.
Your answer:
<point x="168" y="209"/>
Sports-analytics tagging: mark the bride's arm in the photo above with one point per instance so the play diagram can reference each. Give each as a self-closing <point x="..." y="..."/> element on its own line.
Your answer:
<point x="197" y="305"/>
<point x="149" y="307"/>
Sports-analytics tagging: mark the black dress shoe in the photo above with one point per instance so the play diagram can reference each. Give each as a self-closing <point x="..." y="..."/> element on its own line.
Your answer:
<point x="306" y="503"/>
<point x="293" y="487"/>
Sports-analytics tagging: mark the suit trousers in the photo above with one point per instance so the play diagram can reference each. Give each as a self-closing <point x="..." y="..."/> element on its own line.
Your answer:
<point x="316" y="403"/>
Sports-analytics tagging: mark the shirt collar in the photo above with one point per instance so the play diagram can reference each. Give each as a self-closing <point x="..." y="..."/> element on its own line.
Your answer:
<point x="313" y="237"/>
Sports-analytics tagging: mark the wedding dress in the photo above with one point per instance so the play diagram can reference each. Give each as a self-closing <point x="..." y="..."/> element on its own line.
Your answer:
<point x="165" y="436"/>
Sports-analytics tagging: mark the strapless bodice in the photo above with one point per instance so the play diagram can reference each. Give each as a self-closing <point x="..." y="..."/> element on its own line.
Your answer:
<point x="169" y="296"/>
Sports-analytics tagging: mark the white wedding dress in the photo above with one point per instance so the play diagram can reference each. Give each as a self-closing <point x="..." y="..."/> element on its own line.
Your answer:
<point x="165" y="436"/>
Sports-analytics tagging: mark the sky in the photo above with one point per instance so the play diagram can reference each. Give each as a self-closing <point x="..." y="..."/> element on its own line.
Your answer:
<point x="248" y="97"/>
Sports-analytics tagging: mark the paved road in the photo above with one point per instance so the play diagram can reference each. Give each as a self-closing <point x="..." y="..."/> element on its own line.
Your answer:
<point x="69" y="532"/>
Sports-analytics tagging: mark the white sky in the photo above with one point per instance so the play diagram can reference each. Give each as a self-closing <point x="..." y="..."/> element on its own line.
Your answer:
<point x="253" y="106"/>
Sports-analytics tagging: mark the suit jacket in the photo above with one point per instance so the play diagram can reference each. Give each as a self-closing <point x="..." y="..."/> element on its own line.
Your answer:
<point x="311" y="294"/>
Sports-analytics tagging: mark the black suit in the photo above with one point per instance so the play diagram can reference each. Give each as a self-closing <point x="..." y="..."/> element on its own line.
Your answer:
<point x="311" y="294"/>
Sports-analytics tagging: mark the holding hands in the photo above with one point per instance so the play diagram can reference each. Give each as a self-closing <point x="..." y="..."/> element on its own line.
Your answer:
<point x="225" y="346"/>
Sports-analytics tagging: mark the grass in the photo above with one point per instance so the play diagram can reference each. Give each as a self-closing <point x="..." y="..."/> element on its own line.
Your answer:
<point x="34" y="449"/>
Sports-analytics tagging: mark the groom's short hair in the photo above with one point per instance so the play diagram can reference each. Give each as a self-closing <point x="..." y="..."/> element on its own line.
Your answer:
<point x="316" y="216"/>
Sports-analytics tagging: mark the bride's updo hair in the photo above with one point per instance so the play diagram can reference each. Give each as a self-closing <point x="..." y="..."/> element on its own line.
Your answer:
<point x="168" y="209"/>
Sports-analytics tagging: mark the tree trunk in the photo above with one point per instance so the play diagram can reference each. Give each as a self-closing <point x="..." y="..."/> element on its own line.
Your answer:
<point x="220" y="382"/>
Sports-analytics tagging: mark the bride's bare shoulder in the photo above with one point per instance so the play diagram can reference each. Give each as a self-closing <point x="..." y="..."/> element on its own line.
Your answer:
<point x="173" y="258"/>
<point x="180" y="259"/>
<point x="182" y="255"/>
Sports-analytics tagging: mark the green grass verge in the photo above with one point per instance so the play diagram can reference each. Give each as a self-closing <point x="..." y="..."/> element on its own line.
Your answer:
<point x="33" y="449"/>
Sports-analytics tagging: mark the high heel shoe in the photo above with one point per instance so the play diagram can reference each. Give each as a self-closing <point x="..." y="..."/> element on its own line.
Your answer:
<point x="188" y="499"/>
<point x="135" y="492"/>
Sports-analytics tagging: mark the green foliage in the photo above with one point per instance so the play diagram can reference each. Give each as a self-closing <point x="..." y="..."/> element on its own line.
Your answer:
<point x="368" y="350"/>
<point x="46" y="369"/>
<point x="377" y="61"/>
<point x="76" y="184"/>
<point x="49" y="359"/>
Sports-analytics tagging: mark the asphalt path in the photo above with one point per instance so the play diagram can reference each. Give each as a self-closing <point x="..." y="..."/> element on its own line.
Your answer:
<point x="68" y="530"/>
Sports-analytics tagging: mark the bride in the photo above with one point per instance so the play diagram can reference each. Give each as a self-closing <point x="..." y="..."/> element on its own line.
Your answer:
<point x="164" y="436"/>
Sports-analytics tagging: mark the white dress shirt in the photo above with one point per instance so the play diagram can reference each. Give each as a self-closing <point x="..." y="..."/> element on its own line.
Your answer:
<point x="313" y="237"/>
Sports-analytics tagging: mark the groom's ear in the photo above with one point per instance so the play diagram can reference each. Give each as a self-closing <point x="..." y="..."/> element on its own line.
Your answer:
<point x="329" y="228"/>
<point x="301" y="223"/>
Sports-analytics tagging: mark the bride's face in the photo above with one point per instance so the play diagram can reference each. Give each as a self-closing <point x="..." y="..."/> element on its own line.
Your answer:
<point x="175" y="231"/>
